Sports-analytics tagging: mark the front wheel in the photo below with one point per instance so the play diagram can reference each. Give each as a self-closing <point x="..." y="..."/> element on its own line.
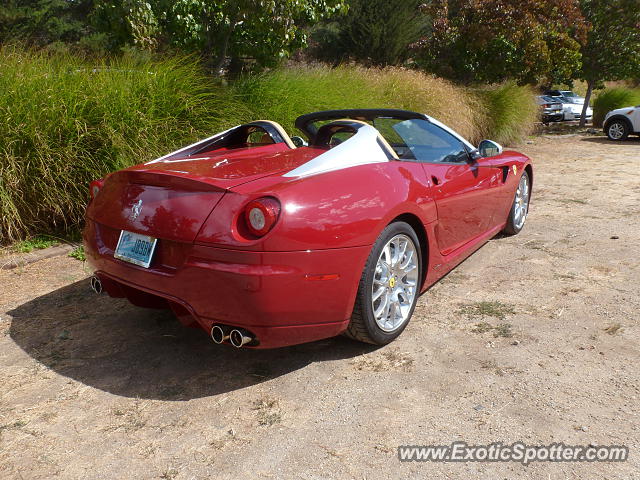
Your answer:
<point x="520" y="207"/>
<point x="389" y="286"/>
<point x="618" y="130"/>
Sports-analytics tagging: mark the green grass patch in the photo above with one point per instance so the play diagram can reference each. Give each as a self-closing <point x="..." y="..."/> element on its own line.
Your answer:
<point x="501" y="330"/>
<point x="78" y="254"/>
<point x="38" y="242"/>
<point x="496" y="309"/>
<point x="482" y="327"/>
<point x="611" y="99"/>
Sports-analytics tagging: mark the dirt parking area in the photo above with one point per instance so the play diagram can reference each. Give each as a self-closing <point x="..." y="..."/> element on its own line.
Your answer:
<point x="535" y="338"/>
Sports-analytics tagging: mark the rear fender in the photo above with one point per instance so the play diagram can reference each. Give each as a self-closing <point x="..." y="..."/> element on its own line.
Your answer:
<point x="338" y="209"/>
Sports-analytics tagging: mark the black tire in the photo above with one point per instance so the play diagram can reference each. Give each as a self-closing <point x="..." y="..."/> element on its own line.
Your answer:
<point x="618" y="130"/>
<point x="363" y="326"/>
<point x="513" y="226"/>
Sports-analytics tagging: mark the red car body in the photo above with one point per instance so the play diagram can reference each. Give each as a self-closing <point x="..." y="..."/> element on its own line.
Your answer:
<point x="298" y="282"/>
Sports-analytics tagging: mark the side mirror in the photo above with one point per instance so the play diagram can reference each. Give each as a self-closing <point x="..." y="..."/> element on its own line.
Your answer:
<point x="489" y="148"/>
<point x="299" y="142"/>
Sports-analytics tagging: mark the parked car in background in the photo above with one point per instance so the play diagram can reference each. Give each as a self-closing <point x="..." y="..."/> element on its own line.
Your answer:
<point x="621" y="122"/>
<point x="263" y="243"/>
<point x="551" y="109"/>
<point x="572" y="104"/>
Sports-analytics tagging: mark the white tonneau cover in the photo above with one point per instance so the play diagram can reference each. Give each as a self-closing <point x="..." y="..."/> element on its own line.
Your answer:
<point x="361" y="149"/>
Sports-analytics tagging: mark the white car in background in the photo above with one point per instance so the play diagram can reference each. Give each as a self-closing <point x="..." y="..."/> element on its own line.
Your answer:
<point x="621" y="122"/>
<point x="572" y="104"/>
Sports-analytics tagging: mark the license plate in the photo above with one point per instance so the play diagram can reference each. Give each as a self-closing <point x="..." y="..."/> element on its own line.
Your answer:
<point x="135" y="248"/>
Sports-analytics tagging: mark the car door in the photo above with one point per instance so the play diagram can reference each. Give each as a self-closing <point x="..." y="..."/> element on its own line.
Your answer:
<point x="461" y="187"/>
<point x="635" y="119"/>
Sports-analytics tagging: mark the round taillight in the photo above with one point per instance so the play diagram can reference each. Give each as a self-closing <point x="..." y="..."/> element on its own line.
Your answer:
<point x="261" y="215"/>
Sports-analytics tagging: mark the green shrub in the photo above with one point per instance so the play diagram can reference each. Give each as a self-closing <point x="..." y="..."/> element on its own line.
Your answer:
<point x="511" y="112"/>
<point x="65" y="121"/>
<point x="505" y="113"/>
<point x="38" y="242"/>
<point x="284" y="94"/>
<point x="613" y="98"/>
<point x="78" y="254"/>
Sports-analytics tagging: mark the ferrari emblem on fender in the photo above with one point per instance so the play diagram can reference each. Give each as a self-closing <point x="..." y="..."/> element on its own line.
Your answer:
<point x="135" y="210"/>
<point x="515" y="170"/>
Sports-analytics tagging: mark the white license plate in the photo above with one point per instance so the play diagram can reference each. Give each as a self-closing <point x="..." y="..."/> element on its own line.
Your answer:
<point x="135" y="248"/>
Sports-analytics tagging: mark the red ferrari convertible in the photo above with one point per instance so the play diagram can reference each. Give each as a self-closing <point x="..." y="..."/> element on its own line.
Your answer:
<point x="265" y="241"/>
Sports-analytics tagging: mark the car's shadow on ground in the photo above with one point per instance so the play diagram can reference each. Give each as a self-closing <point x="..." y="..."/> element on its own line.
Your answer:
<point x="116" y="347"/>
<point x="604" y="140"/>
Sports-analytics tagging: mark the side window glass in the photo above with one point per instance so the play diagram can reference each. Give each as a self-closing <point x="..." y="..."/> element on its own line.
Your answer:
<point x="430" y="143"/>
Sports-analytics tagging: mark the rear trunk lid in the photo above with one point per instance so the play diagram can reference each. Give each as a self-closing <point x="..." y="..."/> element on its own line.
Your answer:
<point x="172" y="199"/>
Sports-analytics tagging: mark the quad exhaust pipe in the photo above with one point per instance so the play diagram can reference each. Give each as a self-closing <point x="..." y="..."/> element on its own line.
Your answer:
<point x="96" y="284"/>
<point x="238" y="337"/>
<point x="219" y="334"/>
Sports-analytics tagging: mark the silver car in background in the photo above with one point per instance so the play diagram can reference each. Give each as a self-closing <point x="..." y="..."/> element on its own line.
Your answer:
<point x="551" y="109"/>
<point x="572" y="104"/>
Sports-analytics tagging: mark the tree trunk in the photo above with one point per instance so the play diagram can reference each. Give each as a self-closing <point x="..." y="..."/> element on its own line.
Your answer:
<point x="222" y="53"/>
<point x="587" y="99"/>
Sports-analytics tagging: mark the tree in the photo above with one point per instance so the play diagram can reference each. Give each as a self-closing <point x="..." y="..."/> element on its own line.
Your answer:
<point x="262" y="30"/>
<point x="612" y="49"/>
<point x="373" y="32"/>
<point x="531" y="41"/>
<point x="43" y="22"/>
<point x="127" y="22"/>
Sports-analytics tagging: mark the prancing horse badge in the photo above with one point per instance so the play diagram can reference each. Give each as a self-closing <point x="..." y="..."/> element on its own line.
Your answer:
<point x="135" y="210"/>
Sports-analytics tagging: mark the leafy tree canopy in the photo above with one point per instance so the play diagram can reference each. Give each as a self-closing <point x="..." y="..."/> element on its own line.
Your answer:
<point x="531" y="41"/>
<point x="612" y="47"/>
<point x="42" y="22"/>
<point x="373" y="32"/>
<point x="263" y="30"/>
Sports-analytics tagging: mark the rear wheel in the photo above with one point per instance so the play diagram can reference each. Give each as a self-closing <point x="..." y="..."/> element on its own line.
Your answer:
<point x="520" y="207"/>
<point x="389" y="286"/>
<point x="618" y="130"/>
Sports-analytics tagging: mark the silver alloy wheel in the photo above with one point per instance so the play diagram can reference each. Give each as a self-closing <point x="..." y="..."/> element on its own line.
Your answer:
<point x="616" y="130"/>
<point x="521" y="203"/>
<point x="395" y="283"/>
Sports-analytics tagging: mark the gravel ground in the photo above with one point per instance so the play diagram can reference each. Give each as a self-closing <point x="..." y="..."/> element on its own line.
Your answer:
<point x="533" y="338"/>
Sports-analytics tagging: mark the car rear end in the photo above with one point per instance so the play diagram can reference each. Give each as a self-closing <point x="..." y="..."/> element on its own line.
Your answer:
<point x="174" y="238"/>
<point x="552" y="110"/>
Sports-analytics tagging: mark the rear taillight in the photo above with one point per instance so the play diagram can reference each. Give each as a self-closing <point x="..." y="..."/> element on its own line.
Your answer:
<point x="261" y="215"/>
<point x="95" y="187"/>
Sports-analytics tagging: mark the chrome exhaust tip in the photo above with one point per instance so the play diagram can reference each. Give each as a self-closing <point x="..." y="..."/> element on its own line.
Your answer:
<point x="218" y="334"/>
<point x="238" y="338"/>
<point x="96" y="285"/>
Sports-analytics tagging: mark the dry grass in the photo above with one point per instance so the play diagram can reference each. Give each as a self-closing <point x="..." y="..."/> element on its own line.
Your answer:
<point x="505" y="113"/>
